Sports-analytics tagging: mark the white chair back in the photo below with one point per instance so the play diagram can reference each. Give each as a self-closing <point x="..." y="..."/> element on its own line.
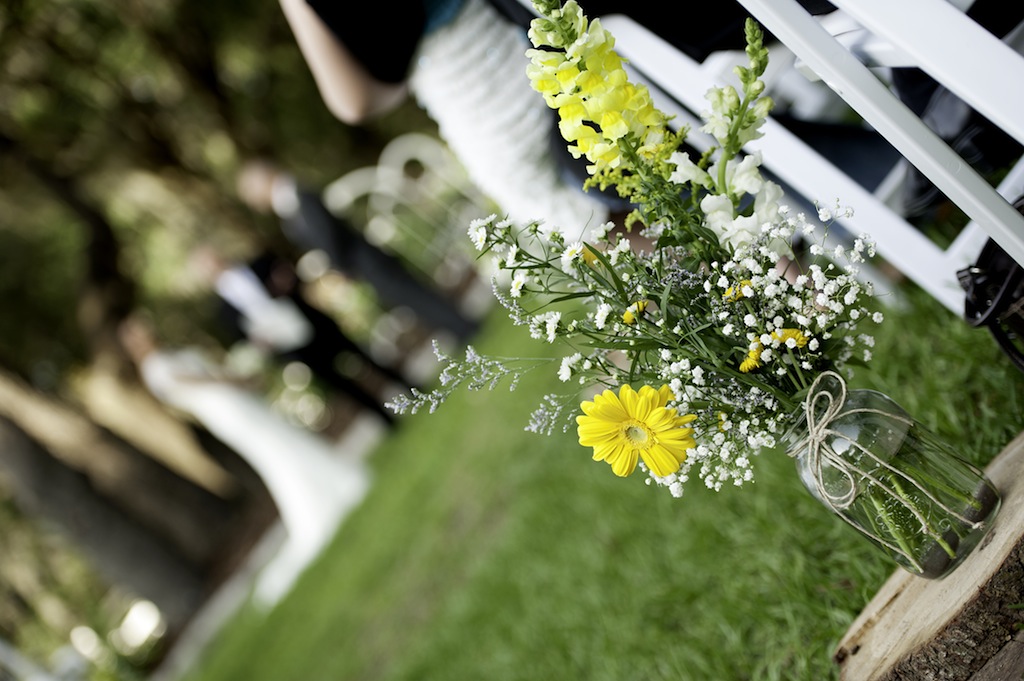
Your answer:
<point x="678" y="85"/>
<point x="417" y="201"/>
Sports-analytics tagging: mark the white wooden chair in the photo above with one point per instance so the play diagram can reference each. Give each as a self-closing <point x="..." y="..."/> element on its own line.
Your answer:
<point x="881" y="29"/>
<point x="416" y="200"/>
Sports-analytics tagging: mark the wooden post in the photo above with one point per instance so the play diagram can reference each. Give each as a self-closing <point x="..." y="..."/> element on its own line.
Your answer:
<point x="964" y="626"/>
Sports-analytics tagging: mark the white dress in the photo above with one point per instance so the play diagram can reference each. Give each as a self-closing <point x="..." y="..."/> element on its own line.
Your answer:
<point x="470" y="77"/>
<point x="312" y="486"/>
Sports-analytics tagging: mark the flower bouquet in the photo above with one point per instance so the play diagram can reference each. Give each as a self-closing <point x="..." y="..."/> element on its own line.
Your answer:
<point x="699" y="334"/>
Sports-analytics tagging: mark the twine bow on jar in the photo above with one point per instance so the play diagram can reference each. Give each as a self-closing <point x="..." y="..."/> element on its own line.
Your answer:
<point x="833" y="398"/>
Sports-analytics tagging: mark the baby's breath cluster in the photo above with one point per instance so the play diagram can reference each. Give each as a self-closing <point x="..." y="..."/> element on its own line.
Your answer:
<point x="695" y="341"/>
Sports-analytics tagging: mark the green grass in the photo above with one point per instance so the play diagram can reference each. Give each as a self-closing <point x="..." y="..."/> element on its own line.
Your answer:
<point x="485" y="552"/>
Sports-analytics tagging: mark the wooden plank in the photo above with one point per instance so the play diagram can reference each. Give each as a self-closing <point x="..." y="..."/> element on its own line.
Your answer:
<point x="951" y="628"/>
<point x="1007" y="664"/>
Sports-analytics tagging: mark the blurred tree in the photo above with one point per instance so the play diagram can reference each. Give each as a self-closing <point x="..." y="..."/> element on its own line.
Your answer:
<point x="122" y="124"/>
<point x="121" y="127"/>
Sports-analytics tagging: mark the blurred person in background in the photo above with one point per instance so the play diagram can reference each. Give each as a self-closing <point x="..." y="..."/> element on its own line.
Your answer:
<point x="262" y="303"/>
<point x="308" y="224"/>
<point x="311" y="483"/>
<point x="465" y="64"/>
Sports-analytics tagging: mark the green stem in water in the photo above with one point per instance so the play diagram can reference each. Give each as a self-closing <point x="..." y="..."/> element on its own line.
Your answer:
<point x="895" y="531"/>
<point x="937" y="484"/>
<point x="931" y="531"/>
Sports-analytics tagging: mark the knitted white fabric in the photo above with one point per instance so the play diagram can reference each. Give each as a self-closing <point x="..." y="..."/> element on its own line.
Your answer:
<point x="470" y="77"/>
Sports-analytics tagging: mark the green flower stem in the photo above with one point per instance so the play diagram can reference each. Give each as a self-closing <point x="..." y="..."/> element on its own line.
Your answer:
<point x="895" y="531"/>
<point x="938" y="484"/>
<point x="800" y="380"/>
<point x="928" y="529"/>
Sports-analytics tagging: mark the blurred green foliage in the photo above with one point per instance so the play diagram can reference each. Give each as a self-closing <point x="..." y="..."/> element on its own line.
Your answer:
<point x="122" y="126"/>
<point x="133" y="116"/>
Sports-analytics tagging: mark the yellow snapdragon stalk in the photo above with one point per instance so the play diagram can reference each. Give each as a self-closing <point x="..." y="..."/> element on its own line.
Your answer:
<point x="629" y="144"/>
<point x="605" y="117"/>
<point x="586" y="83"/>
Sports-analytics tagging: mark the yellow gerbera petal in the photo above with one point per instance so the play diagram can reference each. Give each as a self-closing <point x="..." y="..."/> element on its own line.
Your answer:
<point x="624" y="462"/>
<point x="734" y="293"/>
<point x="661" y="460"/>
<point x="753" y="359"/>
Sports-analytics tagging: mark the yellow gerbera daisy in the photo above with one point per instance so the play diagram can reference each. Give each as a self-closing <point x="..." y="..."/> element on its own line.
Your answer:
<point x="752" y="360"/>
<point x="636" y="425"/>
<point x="795" y="335"/>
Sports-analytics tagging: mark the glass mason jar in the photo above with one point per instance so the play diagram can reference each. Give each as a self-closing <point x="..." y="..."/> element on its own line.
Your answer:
<point x="892" y="479"/>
